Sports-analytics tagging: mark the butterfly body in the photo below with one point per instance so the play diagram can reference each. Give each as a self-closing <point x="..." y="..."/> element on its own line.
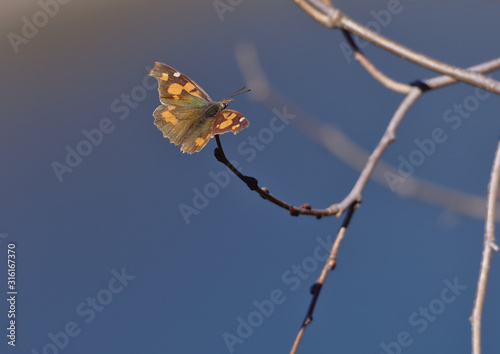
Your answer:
<point x="188" y="116"/>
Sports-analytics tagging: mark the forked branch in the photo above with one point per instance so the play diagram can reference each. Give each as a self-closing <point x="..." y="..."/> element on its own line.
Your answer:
<point x="324" y="12"/>
<point x="355" y="195"/>
<point x="351" y="153"/>
<point x="332" y="17"/>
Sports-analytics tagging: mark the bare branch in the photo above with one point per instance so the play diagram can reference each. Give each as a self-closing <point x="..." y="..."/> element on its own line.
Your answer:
<point x="253" y="184"/>
<point x="377" y="74"/>
<point x="488" y="247"/>
<point x="485" y="67"/>
<point x="396" y="86"/>
<point x="333" y="18"/>
<point x="388" y="137"/>
<point x="324" y="12"/>
<point x="329" y="265"/>
<point x="321" y="12"/>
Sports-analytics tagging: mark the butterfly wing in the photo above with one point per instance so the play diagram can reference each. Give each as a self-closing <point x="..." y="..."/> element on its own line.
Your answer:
<point x="178" y="89"/>
<point x="184" y="125"/>
<point x="181" y="118"/>
<point x="229" y="120"/>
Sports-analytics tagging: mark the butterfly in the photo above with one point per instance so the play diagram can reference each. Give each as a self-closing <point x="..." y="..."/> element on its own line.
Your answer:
<point x="188" y="116"/>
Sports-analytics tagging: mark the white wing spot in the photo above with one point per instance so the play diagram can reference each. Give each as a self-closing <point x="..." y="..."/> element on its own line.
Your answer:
<point x="242" y="119"/>
<point x="177" y="74"/>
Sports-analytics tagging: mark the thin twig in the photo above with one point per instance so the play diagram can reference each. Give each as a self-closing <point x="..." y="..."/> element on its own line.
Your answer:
<point x="388" y="137"/>
<point x="488" y="247"/>
<point x="333" y="18"/>
<point x="377" y="74"/>
<point x="486" y="67"/>
<point x="329" y="265"/>
<point x="253" y="184"/>
<point x="397" y="86"/>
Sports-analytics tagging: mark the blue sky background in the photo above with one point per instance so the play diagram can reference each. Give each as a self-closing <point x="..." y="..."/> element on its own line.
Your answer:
<point x="189" y="284"/>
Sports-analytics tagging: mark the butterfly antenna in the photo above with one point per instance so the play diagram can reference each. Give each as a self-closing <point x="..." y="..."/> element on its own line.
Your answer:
<point x="238" y="92"/>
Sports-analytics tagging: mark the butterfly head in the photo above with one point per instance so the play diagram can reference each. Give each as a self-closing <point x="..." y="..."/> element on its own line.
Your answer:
<point x="213" y="108"/>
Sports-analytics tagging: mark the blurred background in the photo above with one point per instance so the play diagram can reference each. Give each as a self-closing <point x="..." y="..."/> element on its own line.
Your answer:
<point x="126" y="245"/>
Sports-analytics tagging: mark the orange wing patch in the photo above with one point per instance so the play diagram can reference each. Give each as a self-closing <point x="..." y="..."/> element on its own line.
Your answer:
<point x="169" y="117"/>
<point x="197" y="142"/>
<point x="189" y="87"/>
<point x="228" y="120"/>
<point x="176" y="89"/>
<point x="202" y="141"/>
